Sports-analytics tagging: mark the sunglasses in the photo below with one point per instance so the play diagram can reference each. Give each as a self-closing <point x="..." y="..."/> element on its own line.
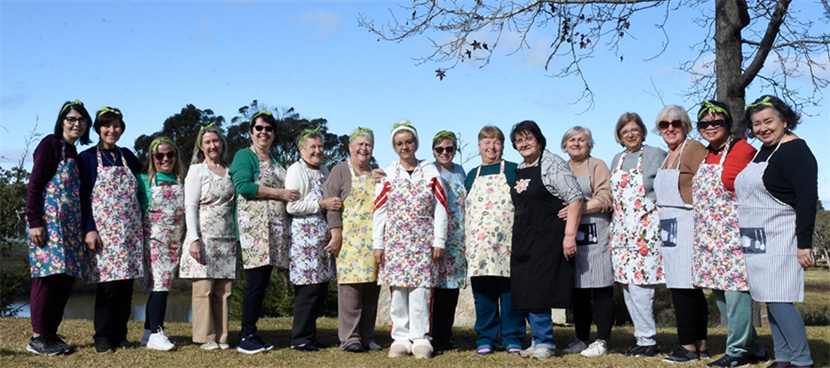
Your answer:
<point x="714" y="123"/>
<point x="665" y="124"/>
<point x="160" y="156"/>
<point x="440" y="150"/>
<point x="267" y="128"/>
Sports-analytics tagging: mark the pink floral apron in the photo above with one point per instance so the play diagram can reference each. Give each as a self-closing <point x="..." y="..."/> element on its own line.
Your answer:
<point x="356" y="263"/>
<point x="452" y="267"/>
<point x="309" y="234"/>
<point x="163" y="230"/>
<point x="489" y="225"/>
<point x="262" y="223"/>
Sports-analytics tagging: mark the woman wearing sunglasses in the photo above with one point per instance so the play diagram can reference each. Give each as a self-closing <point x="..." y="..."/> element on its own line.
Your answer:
<point x="259" y="177"/>
<point x="673" y="187"/>
<point x="161" y="197"/>
<point x="718" y="259"/>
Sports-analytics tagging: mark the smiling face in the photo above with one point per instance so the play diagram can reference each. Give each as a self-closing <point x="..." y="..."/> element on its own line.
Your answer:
<point x="673" y="133"/>
<point x="165" y="158"/>
<point x="405" y="145"/>
<point x="447" y="154"/>
<point x="74" y="126"/>
<point x="715" y="135"/>
<point x="211" y="146"/>
<point x="768" y="127"/>
<point x="312" y="151"/>
<point x="527" y="145"/>
<point x="631" y="136"/>
<point x="360" y="150"/>
<point x="490" y="150"/>
<point x="260" y="134"/>
<point x="577" y="146"/>
<point x="111" y="132"/>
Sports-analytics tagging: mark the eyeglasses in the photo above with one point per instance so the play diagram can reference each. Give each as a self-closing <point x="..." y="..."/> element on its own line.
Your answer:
<point x="714" y="123"/>
<point x="440" y="150"/>
<point x="674" y="123"/>
<point x="529" y="139"/>
<point x="407" y="142"/>
<point x="629" y="131"/>
<point x="267" y="128"/>
<point x="160" y="156"/>
<point x="74" y="120"/>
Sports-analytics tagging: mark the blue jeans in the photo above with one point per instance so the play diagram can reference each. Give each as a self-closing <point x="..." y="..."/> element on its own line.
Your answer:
<point x="541" y="328"/>
<point x="494" y="313"/>
<point x="788" y="334"/>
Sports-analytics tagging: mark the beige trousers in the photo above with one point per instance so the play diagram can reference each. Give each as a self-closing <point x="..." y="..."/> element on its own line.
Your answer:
<point x="210" y="310"/>
<point x="357" y="308"/>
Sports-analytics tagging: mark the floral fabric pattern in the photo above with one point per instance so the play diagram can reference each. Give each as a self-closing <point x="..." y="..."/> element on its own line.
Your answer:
<point x="409" y="235"/>
<point x="356" y="263"/>
<point x="452" y="267"/>
<point x="309" y="262"/>
<point x="262" y="223"/>
<point x="163" y="234"/>
<point x="489" y="226"/>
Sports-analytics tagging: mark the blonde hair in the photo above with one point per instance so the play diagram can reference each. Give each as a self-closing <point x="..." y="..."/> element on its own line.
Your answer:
<point x="199" y="156"/>
<point x="151" y="162"/>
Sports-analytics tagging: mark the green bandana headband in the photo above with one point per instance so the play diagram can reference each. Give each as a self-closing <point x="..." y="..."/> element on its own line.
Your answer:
<point x="361" y="130"/>
<point x="405" y="124"/>
<point x="765" y="102"/>
<point x="260" y="113"/>
<point x="105" y="109"/>
<point x="77" y="102"/>
<point x="163" y="140"/>
<point x="445" y="134"/>
<point x="710" y="108"/>
<point x="202" y="133"/>
<point x="307" y="133"/>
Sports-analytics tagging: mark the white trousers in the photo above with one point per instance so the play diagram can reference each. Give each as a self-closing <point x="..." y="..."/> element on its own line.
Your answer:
<point x="410" y="314"/>
<point x="639" y="299"/>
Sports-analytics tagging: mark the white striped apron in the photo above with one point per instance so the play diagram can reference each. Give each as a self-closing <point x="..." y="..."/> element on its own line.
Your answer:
<point x="593" y="258"/>
<point x="676" y="226"/>
<point x="768" y="236"/>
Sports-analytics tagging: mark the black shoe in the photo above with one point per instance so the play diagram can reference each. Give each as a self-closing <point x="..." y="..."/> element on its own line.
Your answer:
<point x="650" y="351"/>
<point x="634" y="351"/>
<point x="306" y="348"/>
<point x="354" y="347"/>
<point x="445" y="346"/>
<point x="372" y="346"/>
<point x="320" y="345"/>
<point x="704" y="354"/>
<point x="42" y="345"/>
<point x="58" y="341"/>
<point x="681" y="355"/>
<point x="755" y="359"/>
<point x="730" y="361"/>
<point x="103" y="347"/>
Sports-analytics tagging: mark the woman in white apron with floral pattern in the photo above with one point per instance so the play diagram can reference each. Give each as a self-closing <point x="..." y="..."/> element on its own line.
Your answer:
<point x="258" y="176"/>
<point x="410" y="230"/>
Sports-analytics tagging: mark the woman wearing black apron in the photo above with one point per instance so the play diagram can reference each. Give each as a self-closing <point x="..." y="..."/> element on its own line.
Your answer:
<point x="544" y="246"/>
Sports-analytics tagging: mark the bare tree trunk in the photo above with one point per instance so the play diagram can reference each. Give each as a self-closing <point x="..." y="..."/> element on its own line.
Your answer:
<point x="732" y="17"/>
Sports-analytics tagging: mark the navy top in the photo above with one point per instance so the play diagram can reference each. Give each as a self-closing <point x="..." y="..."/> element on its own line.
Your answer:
<point x="88" y="169"/>
<point x="47" y="157"/>
<point x="509" y="173"/>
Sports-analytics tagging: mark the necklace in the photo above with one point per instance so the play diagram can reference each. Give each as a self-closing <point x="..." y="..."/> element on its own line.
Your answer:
<point x="111" y="157"/>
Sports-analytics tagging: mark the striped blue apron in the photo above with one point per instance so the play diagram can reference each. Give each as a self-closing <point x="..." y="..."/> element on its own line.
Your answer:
<point x="593" y="258"/>
<point x="676" y="227"/>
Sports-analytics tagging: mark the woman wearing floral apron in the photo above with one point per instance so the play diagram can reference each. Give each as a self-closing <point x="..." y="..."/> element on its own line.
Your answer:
<point x="718" y="259"/>
<point x="489" y="236"/>
<point x="410" y="230"/>
<point x="112" y="221"/>
<point x="452" y="267"/>
<point x="311" y="267"/>
<point x="351" y="243"/>
<point x="210" y="255"/>
<point x="635" y="231"/>
<point x="161" y="196"/>
<point x="777" y="195"/>
<point x="593" y="296"/>
<point x="258" y="176"/>
<point x="55" y="236"/>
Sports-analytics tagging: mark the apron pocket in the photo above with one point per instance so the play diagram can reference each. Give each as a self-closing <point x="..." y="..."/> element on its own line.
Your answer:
<point x="754" y="240"/>
<point x="586" y="234"/>
<point x="668" y="232"/>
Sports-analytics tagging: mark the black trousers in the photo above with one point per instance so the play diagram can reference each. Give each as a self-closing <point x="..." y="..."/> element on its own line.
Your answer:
<point x="595" y="304"/>
<point x="308" y="303"/>
<point x="113" y="304"/>
<point x="155" y="310"/>
<point x="692" y="315"/>
<point x="444" y="302"/>
<point x="256" y="281"/>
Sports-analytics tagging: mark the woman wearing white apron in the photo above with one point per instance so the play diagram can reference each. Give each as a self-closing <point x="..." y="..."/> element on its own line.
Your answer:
<point x="161" y="196"/>
<point x="209" y="258"/>
<point x="673" y="186"/>
<point x="311" y="267"/>
<point x="593" y="294"/>
<point x="410" y="229"/>
<point x="777" y="196"/>
<point x="112" y="222"/>
<point x="635" y="229"/>
<point x="718" y="259"/>
<point x="258" y="176"/>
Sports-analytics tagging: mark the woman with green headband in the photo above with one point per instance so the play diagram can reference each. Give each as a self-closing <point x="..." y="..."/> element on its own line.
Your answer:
<point x="777" y="195"/>
<point x="717" y="258"/>
<point x="351" y="243"/>
<point x="55" y="236"/>
<point x="112" y="222"/>
<point x="161" y="197"/>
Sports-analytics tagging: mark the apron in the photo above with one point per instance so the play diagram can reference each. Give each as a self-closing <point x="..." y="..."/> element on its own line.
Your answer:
<point x="452" y="267"/>
<point x="217" y="232"/>
<point x="541" y="277"/>
<point x="718" y="257"/>
<point x="63" y="252"/>
<point x="768" y="237"/>
<point x="309" y="262"/>
<point x="356" y="263"/>
<point x="409" y="234"/>
<point x="163" y="230"/>
<point x="635" y="231"/>
<point x="489" y="225"/>
<point x="117" y="216"/>
<point x="676" y="226"/>
<point x="262" y="223"/>
<point x="593" y="258"/>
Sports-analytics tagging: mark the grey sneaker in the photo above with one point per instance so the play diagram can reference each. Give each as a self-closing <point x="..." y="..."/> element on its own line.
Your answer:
<point x="43" y="346"/>
<point x="681" y="355"/>
<point x="575" y="347"/>
<point x="541" y="353"/>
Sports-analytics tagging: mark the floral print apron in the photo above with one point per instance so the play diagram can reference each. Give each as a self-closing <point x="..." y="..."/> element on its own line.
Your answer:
<point x="216" y="232"/>
<point x="718" y="258"/>
<point x="452" y="267"/>
<point x="676" y="226"/>
<point x="64" y="248"/>
<point x="635" y="231"/>
<point x="356" y="263"/>
<point x="117" y="217"/>
<point x="489" y="225"/>
<point x="262" y="223"/>
<point x="309" y="234"/>
<point x="163" y="230"/>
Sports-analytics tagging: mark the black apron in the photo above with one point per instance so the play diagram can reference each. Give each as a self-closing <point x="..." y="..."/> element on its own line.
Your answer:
<point x="540" y="278"/>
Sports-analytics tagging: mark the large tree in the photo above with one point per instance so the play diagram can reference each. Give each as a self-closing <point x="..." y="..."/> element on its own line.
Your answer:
<point x="182" y="129"/>
<point x="740" y="34"/>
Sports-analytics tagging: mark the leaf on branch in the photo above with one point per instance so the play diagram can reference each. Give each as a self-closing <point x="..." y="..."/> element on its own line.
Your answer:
<point x="582" y="44"/>
<point x="478" y="18"/>
<point x="413" y="14"/>
<point x="552" y="7"/>
<point x="484" y="45"/>
<point x="476" y="45"/>
<point x="479" y="1"/>
<point x="440" y="74"/>
<point x="622" y="34"/>
<point x="469" y="54"/>
<point x="589" y="20"/>
<point x="621" y="58"/>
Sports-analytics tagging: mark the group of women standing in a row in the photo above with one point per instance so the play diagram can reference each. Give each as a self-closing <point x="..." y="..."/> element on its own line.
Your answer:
<point x="546" y="233"/>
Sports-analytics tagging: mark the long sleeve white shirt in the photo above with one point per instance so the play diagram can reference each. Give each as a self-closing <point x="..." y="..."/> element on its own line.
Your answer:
<point x="297" y="177"/>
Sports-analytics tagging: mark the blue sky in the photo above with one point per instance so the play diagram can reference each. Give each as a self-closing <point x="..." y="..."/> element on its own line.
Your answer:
<point x="150" y="59"/>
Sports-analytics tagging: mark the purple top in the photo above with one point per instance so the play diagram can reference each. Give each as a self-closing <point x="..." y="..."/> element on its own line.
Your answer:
<point x="47" y="156"/>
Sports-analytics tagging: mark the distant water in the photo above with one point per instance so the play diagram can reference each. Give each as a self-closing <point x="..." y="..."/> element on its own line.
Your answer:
<point x="83" y="307"/>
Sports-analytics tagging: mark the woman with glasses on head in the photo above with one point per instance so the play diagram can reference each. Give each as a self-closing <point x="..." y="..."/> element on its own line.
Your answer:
<point x="258" y="176"/>
<point x="635" y="229"/>
<point x="112" y="221"/>
<point x="55" y="236"/>
<point x="161" y="197"/>
<point x="673" y="187"/>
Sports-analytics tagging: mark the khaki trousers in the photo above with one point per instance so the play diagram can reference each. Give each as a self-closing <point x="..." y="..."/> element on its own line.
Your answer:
<point x="210" y="310"/>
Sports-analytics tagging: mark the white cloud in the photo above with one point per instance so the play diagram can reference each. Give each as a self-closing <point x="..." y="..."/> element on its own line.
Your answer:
<point x="13" y="100"/>
<point x="325" y="22"/>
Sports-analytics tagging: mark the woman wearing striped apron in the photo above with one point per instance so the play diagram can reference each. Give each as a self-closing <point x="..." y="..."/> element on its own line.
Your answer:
<point x="593" y="295"/>
<point x="777" y="194"/>
<point x="673" y="186"/>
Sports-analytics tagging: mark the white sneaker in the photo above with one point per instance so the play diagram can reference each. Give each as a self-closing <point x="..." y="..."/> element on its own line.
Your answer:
<point x="210" y="345"/>
<point x="224" y="346"/>
<point x="527" y="353"/>
<point x="575" y="347"/>
<point x="398" y="350"/>
<point x="541" y="353"/>
<point x="596" y="349"/>
<point x="145" y="337"/>
<point x="158" y="341"/>
<point x="422" y="349"/>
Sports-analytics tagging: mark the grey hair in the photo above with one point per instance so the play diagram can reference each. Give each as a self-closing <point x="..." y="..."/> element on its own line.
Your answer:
<point x="589" y="138"/>
<point x="369" y="137"/>
<point x="302" y="140"/>
<point x="673" y="112"/>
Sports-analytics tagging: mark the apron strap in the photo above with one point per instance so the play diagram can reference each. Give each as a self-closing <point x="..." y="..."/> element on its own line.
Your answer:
<point x="679" y="157"/>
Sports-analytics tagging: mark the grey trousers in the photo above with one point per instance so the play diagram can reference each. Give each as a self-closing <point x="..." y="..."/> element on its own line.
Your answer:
<point x="639" y="299"/>
<point x="357" y="309"/>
